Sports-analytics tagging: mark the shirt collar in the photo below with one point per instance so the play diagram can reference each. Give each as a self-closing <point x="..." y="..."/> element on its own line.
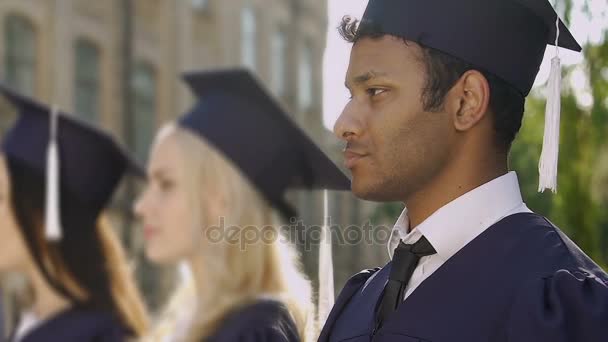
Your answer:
<point x="456" y="224"/>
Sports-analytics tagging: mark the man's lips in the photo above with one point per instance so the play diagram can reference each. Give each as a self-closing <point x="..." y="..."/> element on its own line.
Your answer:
<point x="351" y="158"/>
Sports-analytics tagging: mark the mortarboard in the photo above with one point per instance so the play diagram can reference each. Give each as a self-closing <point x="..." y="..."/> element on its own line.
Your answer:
<point x="507" y="38"/>
<point x="75" y="157"/>
<point x="239" y="118"/>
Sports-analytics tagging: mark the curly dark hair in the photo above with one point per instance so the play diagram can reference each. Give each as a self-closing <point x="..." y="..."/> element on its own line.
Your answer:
<point x="443" y="71"/>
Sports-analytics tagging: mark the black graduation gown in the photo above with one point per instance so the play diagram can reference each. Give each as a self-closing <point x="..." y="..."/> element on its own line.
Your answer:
<point x="78" y="325"/>
<point x="264" y="321"/>
<point x="522" y="280"/>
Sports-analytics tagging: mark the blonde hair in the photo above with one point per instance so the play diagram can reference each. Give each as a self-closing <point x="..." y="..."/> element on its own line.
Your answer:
<point x="129" y="302"/>
<point x="239" y="274"/>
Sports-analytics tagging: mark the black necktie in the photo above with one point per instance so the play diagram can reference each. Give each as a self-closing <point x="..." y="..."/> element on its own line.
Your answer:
<point x="405" y="260"/>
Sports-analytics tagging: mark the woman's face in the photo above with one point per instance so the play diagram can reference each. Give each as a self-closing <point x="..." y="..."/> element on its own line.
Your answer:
<point x="14" y="255"/>
<point x="165" y="206"/>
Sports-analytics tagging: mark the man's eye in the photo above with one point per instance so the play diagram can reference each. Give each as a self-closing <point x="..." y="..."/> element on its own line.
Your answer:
<point x="375" y="91"/>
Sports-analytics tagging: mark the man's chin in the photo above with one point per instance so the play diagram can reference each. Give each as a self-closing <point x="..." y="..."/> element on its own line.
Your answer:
<point x="372" y="192"/>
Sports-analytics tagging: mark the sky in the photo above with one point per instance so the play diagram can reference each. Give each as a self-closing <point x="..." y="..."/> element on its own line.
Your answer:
<point x="337" y="53"/>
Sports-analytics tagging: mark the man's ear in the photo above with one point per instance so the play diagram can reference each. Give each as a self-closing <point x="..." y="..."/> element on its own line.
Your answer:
<point x="468" y="100"/>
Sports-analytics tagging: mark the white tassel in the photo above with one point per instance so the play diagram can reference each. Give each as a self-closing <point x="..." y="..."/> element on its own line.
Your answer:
<point x="53" y="213"/>
<point x="326" y="267"/>
<point x="547" y="166"/>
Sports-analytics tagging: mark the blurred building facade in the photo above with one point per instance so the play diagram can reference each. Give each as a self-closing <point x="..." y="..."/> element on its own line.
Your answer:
<point x="116" y="63"/>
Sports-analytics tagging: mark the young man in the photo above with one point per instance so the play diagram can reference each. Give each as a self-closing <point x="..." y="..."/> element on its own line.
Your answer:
<point x="438" y="90"/>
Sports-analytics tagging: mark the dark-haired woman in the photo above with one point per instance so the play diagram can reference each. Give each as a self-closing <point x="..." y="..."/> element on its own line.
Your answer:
<point x="80" y="283"/>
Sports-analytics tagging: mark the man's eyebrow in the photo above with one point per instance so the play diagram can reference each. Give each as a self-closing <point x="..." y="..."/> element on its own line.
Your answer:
<point x="365" y="77"/>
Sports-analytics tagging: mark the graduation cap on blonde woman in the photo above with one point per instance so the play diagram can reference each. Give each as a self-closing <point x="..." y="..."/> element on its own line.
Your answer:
<point x="76" y="160"/>
<point x="236" y="115"/>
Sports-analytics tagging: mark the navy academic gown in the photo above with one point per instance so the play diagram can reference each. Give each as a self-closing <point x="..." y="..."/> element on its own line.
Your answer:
<point x="78" y="325"/>
<point x="263" y="321"/>
<point x="2" y="322"/>
<point x="521" y="280"/>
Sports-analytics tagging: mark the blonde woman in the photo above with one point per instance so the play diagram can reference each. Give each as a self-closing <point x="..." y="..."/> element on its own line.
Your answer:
<point x="81" y="287"/>
<point x="217" y="179"/>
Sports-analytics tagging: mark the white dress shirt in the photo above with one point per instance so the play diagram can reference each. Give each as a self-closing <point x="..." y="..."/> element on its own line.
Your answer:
<point x="177" y="319"/>
<point x="459" y="222"/>
<point x="28" y="322"/>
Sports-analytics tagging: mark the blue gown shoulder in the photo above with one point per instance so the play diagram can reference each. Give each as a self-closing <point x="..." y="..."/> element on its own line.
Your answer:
<point x="569" y="305"/>
<point x="79" y="325"/>
<point x="266" y="320"/>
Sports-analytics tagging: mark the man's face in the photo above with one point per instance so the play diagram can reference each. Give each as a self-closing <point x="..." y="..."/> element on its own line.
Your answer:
<point x="394" y="147"/>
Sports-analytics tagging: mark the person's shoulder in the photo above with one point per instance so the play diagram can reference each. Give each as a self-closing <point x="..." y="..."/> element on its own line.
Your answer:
<point x="568" y="305"/>
<point x="266" y="319"/>
<point x="80" y="324"/>
<point x="97" y="324"/>
<point x="264" y="308"/>
<point x="546" y="247"/>
<point x="562" y="293"/>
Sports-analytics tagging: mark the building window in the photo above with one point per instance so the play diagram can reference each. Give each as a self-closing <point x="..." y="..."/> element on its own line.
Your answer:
<point x="248" y="38"/>
<point x="86" y="83"/>
<point x="305" y="79"/>
<point x="200" y="5"/>
<point x="278" y="63"/>
<point x="143" y="88"/>
<point x="20" y="54"/>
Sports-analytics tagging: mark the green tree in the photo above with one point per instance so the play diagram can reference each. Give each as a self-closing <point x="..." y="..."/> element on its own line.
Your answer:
<point x="579" y="207"/>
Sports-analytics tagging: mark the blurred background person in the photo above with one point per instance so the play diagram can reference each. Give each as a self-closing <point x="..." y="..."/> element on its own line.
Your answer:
<point x="217" y="179"/>
<point x="113" y="64"/>
<point x="80" y="284"/>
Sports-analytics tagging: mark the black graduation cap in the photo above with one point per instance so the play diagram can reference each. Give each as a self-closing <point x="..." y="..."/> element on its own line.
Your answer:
<point x="507" y="38"/>
<point x="87" y="162"/>
<point x="239" y="118"/>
